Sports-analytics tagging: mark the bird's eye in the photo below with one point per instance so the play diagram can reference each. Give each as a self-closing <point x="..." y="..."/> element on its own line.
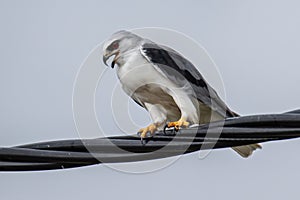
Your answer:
<point x="115" y="45"/>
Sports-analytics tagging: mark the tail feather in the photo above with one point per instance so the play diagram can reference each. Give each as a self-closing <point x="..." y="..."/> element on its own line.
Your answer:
<point x="246" y="150"/>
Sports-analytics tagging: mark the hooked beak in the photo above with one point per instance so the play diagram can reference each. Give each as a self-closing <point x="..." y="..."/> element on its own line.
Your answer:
<point x="107" y="56"/>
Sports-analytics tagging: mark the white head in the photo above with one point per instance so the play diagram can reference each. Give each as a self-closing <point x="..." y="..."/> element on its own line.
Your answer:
<point x="118" y="44"/>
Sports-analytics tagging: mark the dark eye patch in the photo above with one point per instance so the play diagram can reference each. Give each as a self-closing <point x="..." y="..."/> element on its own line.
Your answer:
<point x="114" y="45"/>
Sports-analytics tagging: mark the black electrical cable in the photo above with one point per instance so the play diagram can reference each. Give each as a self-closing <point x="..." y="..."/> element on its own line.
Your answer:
<point x="76" y="153"/>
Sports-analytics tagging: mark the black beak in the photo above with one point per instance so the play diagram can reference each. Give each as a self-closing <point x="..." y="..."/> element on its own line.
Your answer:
<point x="105" y="58"/>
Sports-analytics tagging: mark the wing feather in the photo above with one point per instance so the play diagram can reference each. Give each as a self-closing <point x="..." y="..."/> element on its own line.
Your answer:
<point x="180" y="70"/>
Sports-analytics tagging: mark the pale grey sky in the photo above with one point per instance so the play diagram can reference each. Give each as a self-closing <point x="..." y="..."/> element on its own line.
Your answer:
<point x="255" y="45"/>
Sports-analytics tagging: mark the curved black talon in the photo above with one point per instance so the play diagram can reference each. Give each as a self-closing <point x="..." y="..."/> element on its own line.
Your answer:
<point x="175" y="130"/>
<point x="143" y="141"/>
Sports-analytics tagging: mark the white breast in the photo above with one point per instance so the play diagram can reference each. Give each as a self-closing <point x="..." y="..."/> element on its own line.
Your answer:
<point x="137" y="72"/>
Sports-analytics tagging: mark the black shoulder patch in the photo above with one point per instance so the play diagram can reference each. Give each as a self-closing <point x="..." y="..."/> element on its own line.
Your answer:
<point x="162" y="57"/>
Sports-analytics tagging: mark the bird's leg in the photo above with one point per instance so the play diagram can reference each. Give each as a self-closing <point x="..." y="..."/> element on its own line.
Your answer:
<point x="182" y="122"/>
<point x="158" y="116"/>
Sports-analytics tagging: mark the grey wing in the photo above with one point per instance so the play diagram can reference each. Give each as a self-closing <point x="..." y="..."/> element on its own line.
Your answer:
<point x="180" y="70"/>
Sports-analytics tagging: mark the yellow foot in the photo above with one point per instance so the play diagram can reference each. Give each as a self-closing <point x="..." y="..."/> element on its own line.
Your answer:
<point x="180" y="123"/>
<point x="149" y="129"/>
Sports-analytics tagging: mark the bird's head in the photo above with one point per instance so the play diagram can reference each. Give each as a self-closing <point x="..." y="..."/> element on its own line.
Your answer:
<point x="118" y="45"/>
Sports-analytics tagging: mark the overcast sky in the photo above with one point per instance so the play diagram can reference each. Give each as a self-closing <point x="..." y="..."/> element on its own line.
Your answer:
<point x="255" y="45"/>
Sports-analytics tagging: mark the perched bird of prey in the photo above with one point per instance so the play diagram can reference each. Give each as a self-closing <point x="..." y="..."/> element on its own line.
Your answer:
<point x="166" y="84"/>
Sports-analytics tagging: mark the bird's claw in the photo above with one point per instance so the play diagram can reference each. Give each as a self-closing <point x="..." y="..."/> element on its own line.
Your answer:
<point x="176" y="125"/>
<point x="143" y="141"/>
<point x="146" y="132"/>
